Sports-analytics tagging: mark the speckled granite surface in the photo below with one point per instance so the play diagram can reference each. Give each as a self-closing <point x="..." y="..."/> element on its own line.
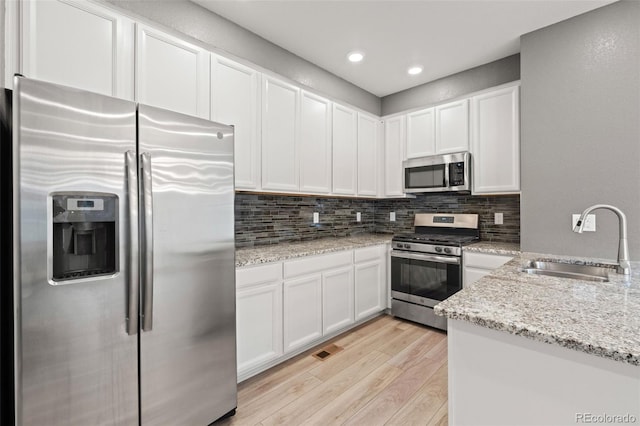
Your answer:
<point x="602" y="319"/>
<point x="283" y="251"/>
<point x="504" y="249"/>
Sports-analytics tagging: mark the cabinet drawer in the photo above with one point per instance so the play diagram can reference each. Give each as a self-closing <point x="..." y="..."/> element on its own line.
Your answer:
<point x="314" y="264"/>
<point x="483" y="260"/>
<point x="260" y="274"/>
<point x="368" y="253"/>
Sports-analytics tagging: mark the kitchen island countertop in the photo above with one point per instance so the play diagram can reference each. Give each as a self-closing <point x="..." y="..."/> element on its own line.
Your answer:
<point x="489" y="247"/>
<point x="596" y="318"/>
<point x="247" y="256"/>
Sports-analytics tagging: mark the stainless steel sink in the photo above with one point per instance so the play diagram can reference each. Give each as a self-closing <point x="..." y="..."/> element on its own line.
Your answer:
<point x="568" y="270"/>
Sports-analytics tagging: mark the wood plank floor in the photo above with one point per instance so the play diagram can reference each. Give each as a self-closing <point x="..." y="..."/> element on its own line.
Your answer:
<point x="390" y="372"/>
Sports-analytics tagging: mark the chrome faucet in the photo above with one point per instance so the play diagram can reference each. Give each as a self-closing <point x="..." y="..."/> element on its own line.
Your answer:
<point x="623" y="248"/>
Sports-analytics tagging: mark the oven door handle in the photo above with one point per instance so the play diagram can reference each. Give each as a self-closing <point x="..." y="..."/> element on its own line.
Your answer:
<point x="426" y="257"/>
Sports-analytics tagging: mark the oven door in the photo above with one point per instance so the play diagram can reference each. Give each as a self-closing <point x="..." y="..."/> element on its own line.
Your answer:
<point x="424" y="279"/>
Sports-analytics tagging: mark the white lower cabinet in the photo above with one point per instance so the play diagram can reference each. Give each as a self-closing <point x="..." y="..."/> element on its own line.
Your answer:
<point x="477" y="265"/>
<point x="337" y="299"/>
<point x="258" y="315"/>
<point x="370" y="281"/>
<point x="302" y="311"/>
<point x="287" y="307"/>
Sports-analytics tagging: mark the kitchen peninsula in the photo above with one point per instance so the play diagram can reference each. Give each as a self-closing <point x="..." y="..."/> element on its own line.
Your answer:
<point x="531" y="349"/>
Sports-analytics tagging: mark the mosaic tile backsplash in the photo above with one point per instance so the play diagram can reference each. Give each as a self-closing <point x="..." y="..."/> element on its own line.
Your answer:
<point x="271" y="219"/>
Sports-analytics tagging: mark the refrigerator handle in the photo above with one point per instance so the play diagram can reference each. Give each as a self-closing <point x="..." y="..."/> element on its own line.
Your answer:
<point x="147" y="198"/>
<point x="134" y="263"/>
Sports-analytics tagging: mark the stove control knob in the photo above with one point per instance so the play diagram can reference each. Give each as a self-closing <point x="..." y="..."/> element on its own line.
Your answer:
<point x="399" y="245"/>
<point x="447" y="250"/>
<point x="439" y="249"/>
<point x="407" y="246"/>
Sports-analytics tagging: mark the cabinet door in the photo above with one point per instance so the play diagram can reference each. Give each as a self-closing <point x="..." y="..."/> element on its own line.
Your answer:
<point x="394" y="141"/>
<point x="258" y="325"/>
<point x="495" y="136"/>
<point x="367" y="156"/>
<point x="171" y="73"/>
<point x="452" y="127"/>
<point x="345" y="150"/>
<point x="369" y="288"/>
<point x="280" y="111"/>
<point x="421" y="133"/>
<point x="302" y="311"/>
<point x="235" y="100"/>
<point x="471" y="275"/>
<point x="337" y="299"/>
<point x="78" y="44"/>
<point x="315" y="144"/>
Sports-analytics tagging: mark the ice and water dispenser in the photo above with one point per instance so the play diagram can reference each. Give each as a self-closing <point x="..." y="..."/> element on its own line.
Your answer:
<point x="85" y="235"/>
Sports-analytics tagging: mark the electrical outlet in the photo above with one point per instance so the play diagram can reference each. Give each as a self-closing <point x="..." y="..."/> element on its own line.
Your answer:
<point x="392" y="217"/>
<point x="358" y="217"/>
<point x="316" y="217"/>
<point x="589" y="225"/>
<point x="498" y="219"/>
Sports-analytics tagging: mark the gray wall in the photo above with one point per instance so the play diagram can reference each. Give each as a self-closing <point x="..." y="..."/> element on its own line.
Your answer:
<point x="213" y="30"/>
<point x="580" y="130"/>
<point x="481" y="77"/>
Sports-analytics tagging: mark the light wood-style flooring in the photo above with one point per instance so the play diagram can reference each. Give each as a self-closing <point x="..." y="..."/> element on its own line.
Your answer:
<point x="390" y="372"/>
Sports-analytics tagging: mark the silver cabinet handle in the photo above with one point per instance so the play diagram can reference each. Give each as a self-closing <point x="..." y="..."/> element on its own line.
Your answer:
<point x="133" y="283"/>
<point x="147" y="275"/>
<point x="425" y="257"/>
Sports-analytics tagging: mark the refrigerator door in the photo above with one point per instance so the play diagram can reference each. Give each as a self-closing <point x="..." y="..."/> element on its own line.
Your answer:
<point x="76" y="362"/>
<point x="187" y="346"/>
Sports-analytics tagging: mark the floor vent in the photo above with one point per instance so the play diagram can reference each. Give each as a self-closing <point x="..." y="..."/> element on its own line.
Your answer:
<point x="327" y="352"/>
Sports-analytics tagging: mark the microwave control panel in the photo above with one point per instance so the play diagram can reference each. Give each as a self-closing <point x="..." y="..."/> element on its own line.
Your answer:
<point x="456" y="174"/>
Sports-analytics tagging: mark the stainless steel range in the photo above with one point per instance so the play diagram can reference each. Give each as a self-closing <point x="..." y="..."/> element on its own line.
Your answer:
<point x="426" y="266"/>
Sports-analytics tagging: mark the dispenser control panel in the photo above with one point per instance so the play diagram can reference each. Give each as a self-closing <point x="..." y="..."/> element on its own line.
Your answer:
<point x="85" y="235"/>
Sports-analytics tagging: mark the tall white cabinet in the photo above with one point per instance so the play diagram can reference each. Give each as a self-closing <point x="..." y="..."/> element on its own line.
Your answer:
<point x="280" y="106"/>
<point x="171" y="73"/>
<point x="76" y="44"/>
<point x="315" y="144"/>
<point x="495" y="141"/>
<point x="367" y="155"/>
<point x="394" y="142"/>
<point x="345" y="150"/>
<point x="235" y="99"/>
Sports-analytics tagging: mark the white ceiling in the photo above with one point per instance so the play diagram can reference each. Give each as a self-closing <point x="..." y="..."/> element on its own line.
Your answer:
<point x="445" y="37"/>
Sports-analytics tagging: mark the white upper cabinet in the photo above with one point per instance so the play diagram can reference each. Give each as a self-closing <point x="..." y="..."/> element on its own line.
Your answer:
<point x="421" y="133"/>
<point x="345" y="150"/>
<point x="235" y="100"/>
<point x="367" y="155"/>
<point x="280" y="112"/>
<point x="495" y="141"/>
<point x="171" y="73"/>
<point x="77" y="44"/>
<point x="452" y="127"/>
<point x="394" y="142"/>
<point x="315" y="144"/>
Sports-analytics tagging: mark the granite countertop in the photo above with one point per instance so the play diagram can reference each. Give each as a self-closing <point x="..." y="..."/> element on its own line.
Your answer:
<point x="283" y="251"/>
<point x="602" y="319"/>
<point x="504" y="249"/>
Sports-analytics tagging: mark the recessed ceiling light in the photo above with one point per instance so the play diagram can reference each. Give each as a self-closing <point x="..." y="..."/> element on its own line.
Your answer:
<point x="415" y="70"/>
<point x="355" y="56"/>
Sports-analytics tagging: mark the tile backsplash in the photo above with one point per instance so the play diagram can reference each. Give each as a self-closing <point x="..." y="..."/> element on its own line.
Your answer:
<point x="270" y="219"/>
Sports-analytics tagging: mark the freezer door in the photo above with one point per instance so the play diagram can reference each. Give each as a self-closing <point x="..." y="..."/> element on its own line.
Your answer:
<point x="187" y="346"/>
<point x="76" y="360"/>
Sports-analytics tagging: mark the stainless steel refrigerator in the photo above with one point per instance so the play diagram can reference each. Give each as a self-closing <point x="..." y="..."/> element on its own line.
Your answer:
<point x="123" y="262"/>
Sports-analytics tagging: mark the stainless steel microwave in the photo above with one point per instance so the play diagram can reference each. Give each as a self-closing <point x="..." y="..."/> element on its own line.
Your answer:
<point x="438" y="173"/>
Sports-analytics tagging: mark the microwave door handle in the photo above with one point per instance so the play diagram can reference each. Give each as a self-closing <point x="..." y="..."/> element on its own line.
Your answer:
<point x="446" y="174"/>
<point x="133" y="278"/>
<point x="147" y="280"/>
<point x="426" y="257"/>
